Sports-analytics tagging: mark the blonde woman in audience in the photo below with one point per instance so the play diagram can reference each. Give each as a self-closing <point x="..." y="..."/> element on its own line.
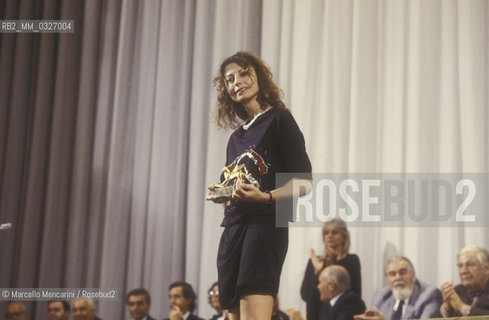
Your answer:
<point x="336" y="240"/>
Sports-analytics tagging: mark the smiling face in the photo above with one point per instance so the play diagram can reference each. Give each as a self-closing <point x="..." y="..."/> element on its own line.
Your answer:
<point x="241" y="83"/>
<point x="473" y="275"/>
<point x="138" y="306"/>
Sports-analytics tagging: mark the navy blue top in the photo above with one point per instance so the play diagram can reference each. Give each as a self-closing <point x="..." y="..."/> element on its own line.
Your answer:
<point x="273" y="143"/>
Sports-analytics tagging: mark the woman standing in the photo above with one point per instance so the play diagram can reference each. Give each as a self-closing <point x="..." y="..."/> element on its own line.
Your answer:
<point x="336" y="240"/>
<point x="252" y="250"/>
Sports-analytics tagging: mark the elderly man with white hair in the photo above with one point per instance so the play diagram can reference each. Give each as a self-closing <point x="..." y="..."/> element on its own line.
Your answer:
<point x="84" y="309"/>
<point x="471" y="296"/>
<point x="339" y="302"/>
<point x="405" y="298"/>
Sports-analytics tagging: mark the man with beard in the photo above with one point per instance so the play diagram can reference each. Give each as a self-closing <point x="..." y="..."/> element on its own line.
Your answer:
<point x="405" y="297"/>
<point x="471" y="296"/>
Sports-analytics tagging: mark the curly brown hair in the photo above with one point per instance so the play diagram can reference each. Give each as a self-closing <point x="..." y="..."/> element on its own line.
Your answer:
<point x="269" y="93"/>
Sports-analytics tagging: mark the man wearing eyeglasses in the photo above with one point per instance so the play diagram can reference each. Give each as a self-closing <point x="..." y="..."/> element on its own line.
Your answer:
<point x="215" y="303"/>
<point x="405" y="297"/>
<point x="16" y="311"/>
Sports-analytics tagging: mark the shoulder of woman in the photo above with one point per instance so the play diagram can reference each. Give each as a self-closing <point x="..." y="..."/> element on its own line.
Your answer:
<point x="350" y="257"/>
<point x="285" y="120"/>
<point x="353" y="258"/>
<point x="283" y="113"/>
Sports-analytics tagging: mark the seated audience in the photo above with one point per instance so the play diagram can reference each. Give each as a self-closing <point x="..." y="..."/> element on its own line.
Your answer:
<point x="182" y="301"/>
<point x="58" y="310"/>
<point x="138" y="304"/>
<point x="336" y="239"/>
<point x="84" y="309"/>
<point x="338" y="301"/>
<point x="213" y="292"/>
<point x="405" y="297"/>
<point x="295" y="314"/>
<point x="471" y="296"/>
<point x="16" y="311"/>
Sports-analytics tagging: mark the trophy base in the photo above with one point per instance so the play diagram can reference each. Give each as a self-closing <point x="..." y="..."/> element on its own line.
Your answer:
<point x="221" y="192"/>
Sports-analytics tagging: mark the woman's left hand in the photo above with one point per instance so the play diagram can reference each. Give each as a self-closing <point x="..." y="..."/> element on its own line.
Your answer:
<point x="316" y="262"/>
<point x="248" y="192"/>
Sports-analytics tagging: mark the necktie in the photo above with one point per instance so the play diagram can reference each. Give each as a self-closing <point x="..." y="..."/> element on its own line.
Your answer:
<point x="398" y="314"/>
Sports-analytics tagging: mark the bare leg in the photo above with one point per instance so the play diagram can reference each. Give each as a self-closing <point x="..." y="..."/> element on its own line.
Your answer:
<point x="256" y="307"/>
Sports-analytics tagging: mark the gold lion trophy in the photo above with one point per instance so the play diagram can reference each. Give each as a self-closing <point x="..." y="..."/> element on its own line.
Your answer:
<point x="233" y="175"/>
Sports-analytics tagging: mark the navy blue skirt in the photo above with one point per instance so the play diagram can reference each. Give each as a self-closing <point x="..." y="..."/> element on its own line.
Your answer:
<point x="250" y="259"/>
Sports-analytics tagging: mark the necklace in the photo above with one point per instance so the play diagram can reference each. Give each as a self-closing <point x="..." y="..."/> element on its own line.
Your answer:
<point x="246" y="126"/>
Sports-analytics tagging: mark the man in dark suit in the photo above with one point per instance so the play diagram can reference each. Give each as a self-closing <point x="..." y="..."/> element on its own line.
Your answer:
<point x="340" y="303"/>
<point x="405" y="297"/>
<point x="138" y="304"/>
<point x="471" y="296"/>
<point x="59" y="310"/>
<point x="84" y="309"/>
<point x="182" y="301"/>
